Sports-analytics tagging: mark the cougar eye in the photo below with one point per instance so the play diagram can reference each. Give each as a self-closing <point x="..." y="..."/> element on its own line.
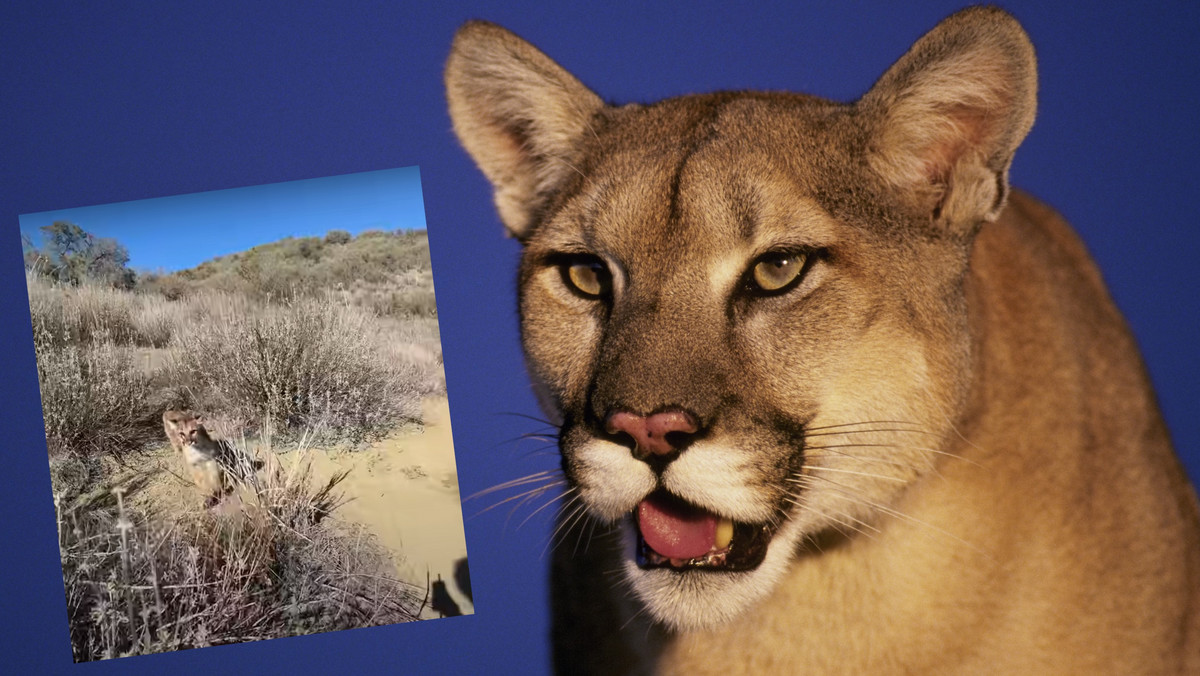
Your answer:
<point x="586" y="275"/>
<point x="775" y="272"/>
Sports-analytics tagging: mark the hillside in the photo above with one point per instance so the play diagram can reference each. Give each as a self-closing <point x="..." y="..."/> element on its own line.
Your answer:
<point x="387" y="272"/>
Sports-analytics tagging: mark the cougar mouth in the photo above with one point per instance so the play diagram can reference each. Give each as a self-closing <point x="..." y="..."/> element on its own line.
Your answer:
<point x="675" y="534"/>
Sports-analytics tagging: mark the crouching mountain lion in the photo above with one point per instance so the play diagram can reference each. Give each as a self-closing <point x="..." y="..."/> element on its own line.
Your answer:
<point x="203" y="457"/>
<point x="842" y="402"/>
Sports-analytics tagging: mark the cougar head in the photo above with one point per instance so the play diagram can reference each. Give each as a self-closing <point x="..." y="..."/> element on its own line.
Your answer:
<point x="746" y="309"/>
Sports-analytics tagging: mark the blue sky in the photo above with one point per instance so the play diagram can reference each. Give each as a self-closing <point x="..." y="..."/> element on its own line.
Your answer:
<point x="182" y="231"/>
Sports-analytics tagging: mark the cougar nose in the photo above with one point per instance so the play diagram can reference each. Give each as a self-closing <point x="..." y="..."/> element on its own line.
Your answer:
<point x="659" y="434"/>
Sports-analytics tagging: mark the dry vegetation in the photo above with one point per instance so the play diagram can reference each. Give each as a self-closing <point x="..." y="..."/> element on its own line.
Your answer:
<point x="387" y="273"/>
<point x="139" y="581"/>
<point x="332" y="339"/>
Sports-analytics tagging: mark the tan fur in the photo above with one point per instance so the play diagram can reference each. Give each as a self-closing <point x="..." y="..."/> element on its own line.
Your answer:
<point x="202" y="456"/>
<point x="944" y="422"/>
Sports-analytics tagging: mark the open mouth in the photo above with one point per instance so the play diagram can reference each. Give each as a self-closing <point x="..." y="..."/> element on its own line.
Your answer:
<point x="675" y="534"/>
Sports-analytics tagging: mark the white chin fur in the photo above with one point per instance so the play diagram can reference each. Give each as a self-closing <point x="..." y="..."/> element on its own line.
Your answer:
<point x="612" y="482"/>
<point x="698" y="599"/>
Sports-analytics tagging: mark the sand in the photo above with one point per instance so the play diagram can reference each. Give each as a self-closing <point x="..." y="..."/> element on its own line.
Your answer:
<point x="404" y="490"/>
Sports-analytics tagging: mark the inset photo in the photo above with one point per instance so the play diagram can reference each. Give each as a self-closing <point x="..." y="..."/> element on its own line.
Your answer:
<point x="246" y="414"/>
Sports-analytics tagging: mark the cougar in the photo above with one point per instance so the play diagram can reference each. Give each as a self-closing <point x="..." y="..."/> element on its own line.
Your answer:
<point x="202" y="455"/>
<point x="835" y="399"/>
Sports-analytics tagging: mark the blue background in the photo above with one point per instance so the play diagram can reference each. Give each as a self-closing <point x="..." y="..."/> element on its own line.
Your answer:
<point x="104" y="102"/>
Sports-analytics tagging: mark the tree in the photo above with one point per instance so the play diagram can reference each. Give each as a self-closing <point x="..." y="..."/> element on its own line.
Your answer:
<point x="35" y="261"/>
<point x="107" y="261"/>
<point x="72" y="255"/>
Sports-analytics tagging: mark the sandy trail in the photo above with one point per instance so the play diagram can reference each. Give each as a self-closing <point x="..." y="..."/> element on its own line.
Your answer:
<point x="404" y="490"/>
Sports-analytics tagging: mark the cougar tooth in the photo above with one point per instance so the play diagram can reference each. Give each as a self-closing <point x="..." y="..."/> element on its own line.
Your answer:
<point x="724" y="533"/>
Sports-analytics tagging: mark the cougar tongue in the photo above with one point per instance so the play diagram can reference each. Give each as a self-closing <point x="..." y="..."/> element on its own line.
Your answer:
<point x="676" y="529"/>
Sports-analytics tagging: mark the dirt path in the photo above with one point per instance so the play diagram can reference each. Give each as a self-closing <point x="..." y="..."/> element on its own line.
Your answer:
<point x="404" y="489"/>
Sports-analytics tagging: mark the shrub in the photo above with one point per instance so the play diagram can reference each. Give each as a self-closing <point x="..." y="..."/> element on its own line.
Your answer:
<point x="94" y="400"/>
<point x="137" y="583"/>
<point x="157" y="319"/>
<point x="309" y="248"/>
<point x="219" y="306"/>
<point x="64" y="314"/>
<point x="173" y="288"/>
<point x="305" y="364"/>
<point x="337" y="237"/>
<point x="414" y="303"/>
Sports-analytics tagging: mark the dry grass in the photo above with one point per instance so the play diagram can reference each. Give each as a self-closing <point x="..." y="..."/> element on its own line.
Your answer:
<point x="91" y="314"/>
<point x="216" y="306"/>
<point x="308" y="363"/>
<point x="142" y="581"/>
<point x="94" y="400"/>
<point x="305" y="364"/>
<point x="79" y="315"/>
<point x="157" y="319"/>
<point x="403" y="295"/>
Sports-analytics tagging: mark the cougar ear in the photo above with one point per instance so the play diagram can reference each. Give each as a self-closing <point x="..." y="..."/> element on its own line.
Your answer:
<point x="519" y="114"/>
<point x="945" y="120"/>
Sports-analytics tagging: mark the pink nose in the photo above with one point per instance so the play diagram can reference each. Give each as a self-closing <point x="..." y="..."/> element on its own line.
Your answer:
<point x="650" y="432"/>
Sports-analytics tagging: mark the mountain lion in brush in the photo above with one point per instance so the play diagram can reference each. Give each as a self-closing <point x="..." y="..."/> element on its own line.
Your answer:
<point x="843" y="402"/>
<point x="202" y="456"/>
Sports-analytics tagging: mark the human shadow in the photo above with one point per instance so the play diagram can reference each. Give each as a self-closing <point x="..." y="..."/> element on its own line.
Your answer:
<point x="441" y="601"/>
